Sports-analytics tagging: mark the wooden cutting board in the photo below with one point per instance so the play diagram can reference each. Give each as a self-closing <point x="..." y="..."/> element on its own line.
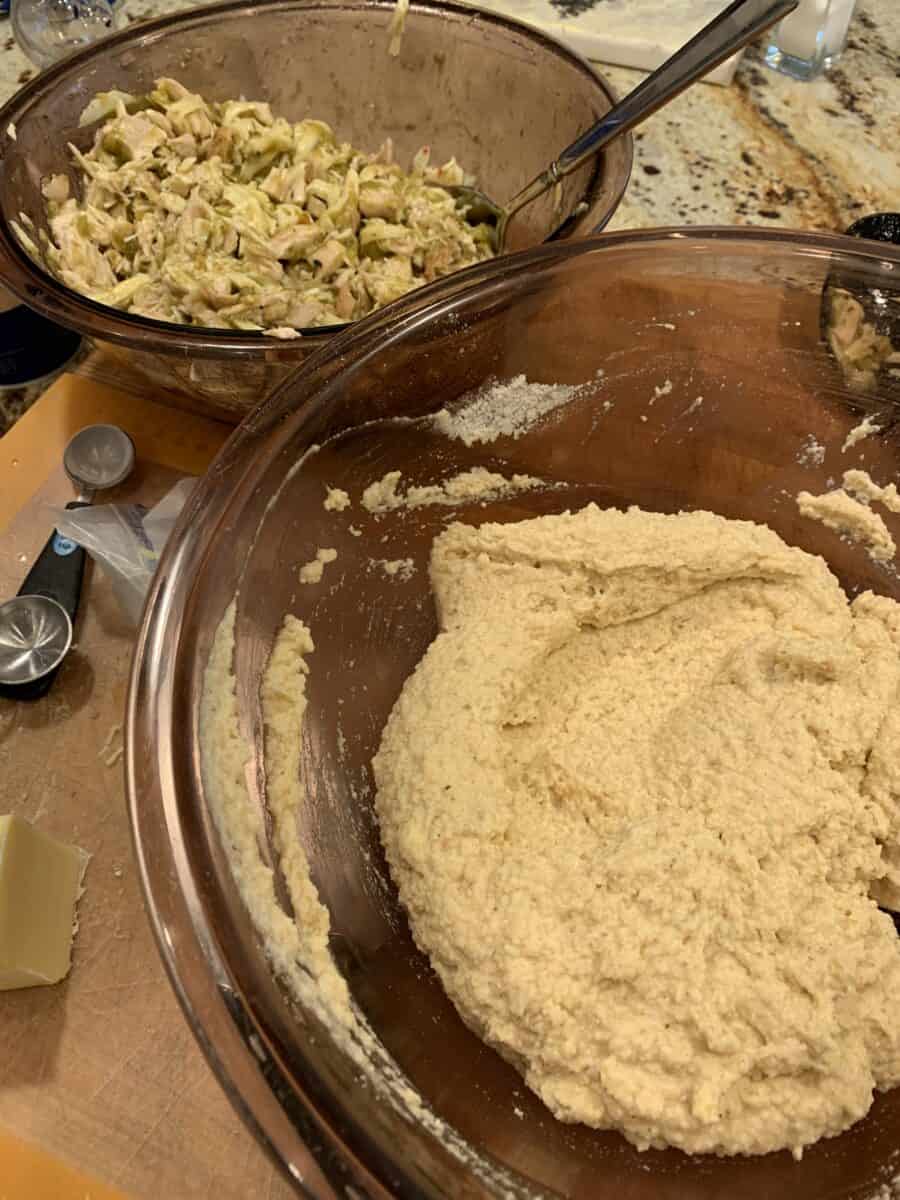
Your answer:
<point x="102" y="1086"/>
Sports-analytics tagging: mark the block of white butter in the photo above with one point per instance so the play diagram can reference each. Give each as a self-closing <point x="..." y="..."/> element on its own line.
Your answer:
<point x="626" y="33"/>
<point x="40" y="882"/>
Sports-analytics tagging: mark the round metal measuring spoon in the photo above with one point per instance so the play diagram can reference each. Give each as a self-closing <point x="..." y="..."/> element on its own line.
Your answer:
<point x="36" y="626"/>
<point x="99" y="456"/>
<point x="35" y="636"/>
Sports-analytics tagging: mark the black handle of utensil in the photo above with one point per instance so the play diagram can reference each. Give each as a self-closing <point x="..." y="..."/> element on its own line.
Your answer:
<point x="29" y="691"/>
<point x="57" y="573"/>
<point x="877" y="227"/>
<point x="58" y="570"/>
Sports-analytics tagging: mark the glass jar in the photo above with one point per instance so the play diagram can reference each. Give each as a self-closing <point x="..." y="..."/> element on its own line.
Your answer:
<point x="811" y="39"/>
<point x="47" y="30"/>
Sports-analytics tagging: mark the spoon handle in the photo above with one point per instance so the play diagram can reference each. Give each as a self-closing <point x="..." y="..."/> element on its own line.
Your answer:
<point x="738" y="24"/>
<point x="58" y="570"/>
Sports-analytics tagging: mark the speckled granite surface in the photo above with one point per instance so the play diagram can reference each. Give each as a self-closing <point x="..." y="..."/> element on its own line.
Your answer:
<point x="770" y="151"/>
<point x="764" y="151"/>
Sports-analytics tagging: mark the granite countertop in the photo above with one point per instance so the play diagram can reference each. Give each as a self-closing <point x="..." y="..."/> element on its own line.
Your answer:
<point x="765" y="150"/>
<point x="768" y="150"/>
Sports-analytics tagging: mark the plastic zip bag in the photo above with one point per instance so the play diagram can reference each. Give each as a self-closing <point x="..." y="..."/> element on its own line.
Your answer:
<point x="126" y="540"/>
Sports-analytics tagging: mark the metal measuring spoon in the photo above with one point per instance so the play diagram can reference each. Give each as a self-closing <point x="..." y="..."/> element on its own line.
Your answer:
<point x="36" y="626"/>
<point x="727" y="33"/>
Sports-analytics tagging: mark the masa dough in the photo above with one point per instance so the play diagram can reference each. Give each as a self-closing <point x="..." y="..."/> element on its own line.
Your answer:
<point x="638" y="798"/>
<point x="848" y="511"/>
<point x="312" y="571"/>
<point x="476" y="484"/>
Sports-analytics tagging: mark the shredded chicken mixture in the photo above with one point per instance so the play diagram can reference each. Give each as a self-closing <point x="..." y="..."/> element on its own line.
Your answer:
<point x="855" y="342"/>
<point x="223" y="215"/>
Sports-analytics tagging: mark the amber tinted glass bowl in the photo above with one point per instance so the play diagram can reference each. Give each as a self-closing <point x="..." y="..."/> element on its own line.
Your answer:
<point x="733" y="316"/>
<point x="501" y="97"/>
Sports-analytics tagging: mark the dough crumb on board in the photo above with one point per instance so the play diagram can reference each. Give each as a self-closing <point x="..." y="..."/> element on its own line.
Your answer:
<point x="847" y="511"/>
<point x="472" y="485"/>
<point x="113" y="732"/>
<point x="664" y="914"/>
<point x="507" y="409"/>
<point x="312" y="571"/>
<point x="109" y="752"/>
<point x="336" y="500"/>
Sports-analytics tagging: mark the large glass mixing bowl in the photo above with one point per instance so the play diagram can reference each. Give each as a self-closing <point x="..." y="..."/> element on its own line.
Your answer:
<point x="500" y="96"/>
<point x="647" y="323"/>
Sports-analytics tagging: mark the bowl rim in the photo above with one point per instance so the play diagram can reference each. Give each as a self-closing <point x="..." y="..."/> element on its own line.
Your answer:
<point x="41" y="290"/>
<point x="224" y="1020"/>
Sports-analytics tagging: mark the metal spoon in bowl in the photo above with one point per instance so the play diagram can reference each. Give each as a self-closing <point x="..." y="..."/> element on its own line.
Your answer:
<point x="723" y="36"/>
<point x="36" y="625"/>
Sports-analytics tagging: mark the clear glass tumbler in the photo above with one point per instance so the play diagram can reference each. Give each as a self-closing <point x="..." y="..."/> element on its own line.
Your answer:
<point x="47" y="30"/>
<point x="811" y="39"/>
